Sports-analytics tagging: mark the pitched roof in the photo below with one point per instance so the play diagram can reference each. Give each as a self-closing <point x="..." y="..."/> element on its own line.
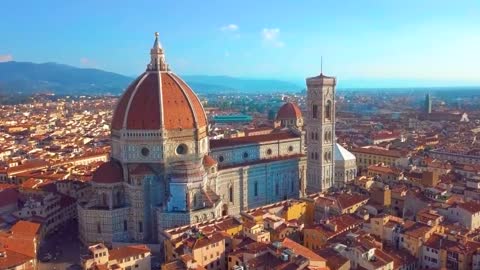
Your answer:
<point x="471" y="206"/>
<point x="13" y="259"/>
<point x="25" y="229"/>
<point x="302" y="250"/>
<point x="127" y="251"/>
<point x="252" y="139"/>
<point x="378" y="151"/>
<point x="342" y="154"/>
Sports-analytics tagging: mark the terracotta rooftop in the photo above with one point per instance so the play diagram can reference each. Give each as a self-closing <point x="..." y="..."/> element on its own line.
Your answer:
<point x="25" y="229"/>
<point x="108" y="173"/>
<point x="252" y="139"/>
<point x="127" y="251"/>
<point x="208" y="161"/>
<point x="348" y="200"/>
<point x="471" y="206"/>
<point x="289" y="111"/>
<point x="302" y="250"/>
<point x="159" y="100"/>
<point x="377" y="151"/>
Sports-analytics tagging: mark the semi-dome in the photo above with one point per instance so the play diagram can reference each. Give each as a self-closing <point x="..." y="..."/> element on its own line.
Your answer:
<point x="289" y="111"/>
<point x="187" y="172"/>
<point x="158" y="99"/>
<point x="108" y="173"/>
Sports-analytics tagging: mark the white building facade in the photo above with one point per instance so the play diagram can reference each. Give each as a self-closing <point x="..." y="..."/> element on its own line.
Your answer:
<point x="164" y="172"/>
<point x="320" y="132"/>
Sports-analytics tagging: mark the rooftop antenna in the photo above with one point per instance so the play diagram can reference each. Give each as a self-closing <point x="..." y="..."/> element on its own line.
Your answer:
<point x="321" y="65"/>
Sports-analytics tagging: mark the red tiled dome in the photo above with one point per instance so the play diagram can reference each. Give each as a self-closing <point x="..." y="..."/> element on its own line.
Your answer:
<point x="288" y="111"/>
<point x="108" y="173"/>
<point x="157" y="99"/>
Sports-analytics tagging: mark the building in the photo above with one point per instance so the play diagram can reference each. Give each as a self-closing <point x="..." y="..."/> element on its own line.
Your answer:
<point x="317" y="236"/>
<point x="50" y="209"/>
<point x="366" y="253"/>
<point x="468" y="157"/>
<point x="237" y="118"/>
<point x="19" y="246"/>
<point x="174" y="238"/>
<point x="467" y="214"/>
<point x="345" y="166"/>
<point x="164" y="172"/>
<point x="440" y="252"/>
<point x="285" y="254"/>
<point x="126" y="257"/>
<point x="367" y="156"/>
<point x="320" y="132"/>
<point x="428" y="104"/>
<point x="289" y="115"/>
<point x="208" y="250"/>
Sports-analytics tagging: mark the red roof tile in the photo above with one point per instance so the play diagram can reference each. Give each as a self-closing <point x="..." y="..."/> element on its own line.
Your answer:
<point x="252" y="139"/>
<point x="25" y="228"/>
<point x="108" y="173"/>
<point x="159" y="99"/>
<point x="127" y="251"/>
<point x="288" y="111"/>
<point x="208" y="161"/>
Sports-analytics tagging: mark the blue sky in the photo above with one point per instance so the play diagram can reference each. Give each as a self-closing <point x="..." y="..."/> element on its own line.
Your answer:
<point x="433" y="42"/>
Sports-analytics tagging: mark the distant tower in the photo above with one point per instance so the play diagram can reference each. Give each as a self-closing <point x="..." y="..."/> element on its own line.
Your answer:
<point x="320" y="135"/>
<point x="428" y="104"/>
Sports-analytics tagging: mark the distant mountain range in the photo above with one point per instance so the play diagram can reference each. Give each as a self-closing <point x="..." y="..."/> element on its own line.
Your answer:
<point x="26" y="77"/>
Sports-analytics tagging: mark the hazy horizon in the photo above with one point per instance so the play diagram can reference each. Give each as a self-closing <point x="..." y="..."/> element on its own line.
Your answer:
<point x="392" y="43"/>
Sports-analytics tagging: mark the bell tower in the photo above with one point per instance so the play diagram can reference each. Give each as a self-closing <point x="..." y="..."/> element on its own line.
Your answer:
<point x="320" y="132"/>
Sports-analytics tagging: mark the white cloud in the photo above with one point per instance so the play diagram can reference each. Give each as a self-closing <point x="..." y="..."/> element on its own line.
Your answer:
<point x="6" y="58"/>
<point x="229" y="28"/>
<point x="270" y="36"/>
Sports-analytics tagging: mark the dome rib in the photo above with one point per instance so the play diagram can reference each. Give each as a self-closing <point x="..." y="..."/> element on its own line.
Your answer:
<point x="201" y="119"/>
<point x="288" y="111"/>
<point x="175" y="78"/>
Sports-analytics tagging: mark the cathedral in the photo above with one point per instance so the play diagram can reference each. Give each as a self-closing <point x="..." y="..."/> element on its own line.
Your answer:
<point x="165" y="172"/>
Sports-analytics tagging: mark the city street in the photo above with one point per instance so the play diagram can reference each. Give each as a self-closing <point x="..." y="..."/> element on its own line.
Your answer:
<point x="64" y="248"/>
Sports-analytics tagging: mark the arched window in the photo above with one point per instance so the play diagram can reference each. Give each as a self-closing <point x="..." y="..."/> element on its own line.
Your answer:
<point x="316" y="136"/>
<point x="314" y="111"/>
<point x="328" y="110"/>
<point x="104" y="200"/>
<point x="276" y="189"/>
<point x="230" y="194"/>
<point x="255" y="188"/>
<point x="195" y="200"/>
<point x="119" y="198"/>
